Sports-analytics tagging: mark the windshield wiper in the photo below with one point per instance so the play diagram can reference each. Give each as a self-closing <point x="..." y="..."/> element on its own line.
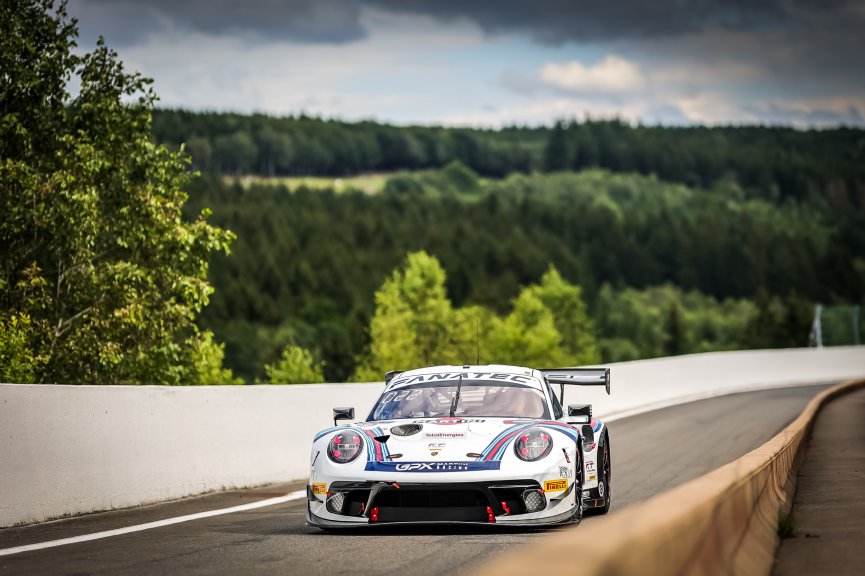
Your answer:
<point x="456" y="396"/>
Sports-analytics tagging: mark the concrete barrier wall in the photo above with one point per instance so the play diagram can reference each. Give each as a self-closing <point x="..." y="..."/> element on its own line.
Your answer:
<point x="724" y="522"/>
<point x="76" y="449"/>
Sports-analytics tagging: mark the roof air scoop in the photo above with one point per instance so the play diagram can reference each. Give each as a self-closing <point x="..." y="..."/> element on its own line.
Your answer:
<point x="406" y="429"/>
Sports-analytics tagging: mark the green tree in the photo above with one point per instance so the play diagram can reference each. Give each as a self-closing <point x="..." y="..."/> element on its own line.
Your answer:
<point x="674" y="338"/>
<point x="558" y="154"/>
<point x="472" y="328"/>
<point x="96" y="251"/>
<point x="528" y="335"/>
<point x="412" y="321"/>
<point x="565" y="303"/>
<point x="202" y="363"/>
<point x="295" y="366"/>
<point x="18" y="363"/>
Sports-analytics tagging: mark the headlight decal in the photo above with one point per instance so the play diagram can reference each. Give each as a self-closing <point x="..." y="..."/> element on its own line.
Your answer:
<point x="376" y="451"/>
<point x="496" y="449"/>
<point x="327" y="431"/>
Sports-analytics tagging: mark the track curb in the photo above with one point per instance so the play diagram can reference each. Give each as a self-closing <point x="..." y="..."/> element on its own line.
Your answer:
<point x="724" y="522"/>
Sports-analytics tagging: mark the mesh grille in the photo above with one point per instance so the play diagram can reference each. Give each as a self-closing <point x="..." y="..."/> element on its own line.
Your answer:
<point x="335" y="502"/>
<point x="534" y="501"/>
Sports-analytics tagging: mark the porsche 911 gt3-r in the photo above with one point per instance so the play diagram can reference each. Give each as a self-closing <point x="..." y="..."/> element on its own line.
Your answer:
<point x="467" y="444"/>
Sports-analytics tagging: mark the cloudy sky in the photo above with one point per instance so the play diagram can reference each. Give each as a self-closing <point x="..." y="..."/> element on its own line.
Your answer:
<point x="496" y="62"/>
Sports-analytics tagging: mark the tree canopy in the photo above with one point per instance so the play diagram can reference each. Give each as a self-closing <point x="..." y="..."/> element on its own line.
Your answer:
<point x="307" y="263"/>
<point x="295" y="366"/>
<point x="101" y="275"/>
<point x="415" y="325"/>
<point x="770" y="162"/>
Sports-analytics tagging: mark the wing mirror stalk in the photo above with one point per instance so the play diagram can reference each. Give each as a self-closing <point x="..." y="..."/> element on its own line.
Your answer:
<point x="342" y="414"/>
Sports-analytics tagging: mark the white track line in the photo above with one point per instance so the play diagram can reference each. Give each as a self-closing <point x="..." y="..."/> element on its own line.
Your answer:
<point x="158" y="524"/>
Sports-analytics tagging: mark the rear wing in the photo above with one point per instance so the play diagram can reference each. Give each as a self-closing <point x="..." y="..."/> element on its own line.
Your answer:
<point x="579" y="376"/>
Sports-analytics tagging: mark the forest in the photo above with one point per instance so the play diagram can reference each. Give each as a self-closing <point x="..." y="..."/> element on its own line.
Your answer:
<point x="664" y="268"/>
<point x="771" y="162"/>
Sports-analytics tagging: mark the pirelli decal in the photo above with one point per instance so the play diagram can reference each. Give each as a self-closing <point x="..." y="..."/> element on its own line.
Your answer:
<point x="556" y="485"/>
<point x="319" y="488"/>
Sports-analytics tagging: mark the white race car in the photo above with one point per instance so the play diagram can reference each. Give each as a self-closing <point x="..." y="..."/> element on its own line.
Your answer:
<point x="467" y="444"/>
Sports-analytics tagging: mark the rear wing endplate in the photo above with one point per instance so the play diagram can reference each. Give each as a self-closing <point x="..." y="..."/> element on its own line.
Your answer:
<point x="579" y="376"/>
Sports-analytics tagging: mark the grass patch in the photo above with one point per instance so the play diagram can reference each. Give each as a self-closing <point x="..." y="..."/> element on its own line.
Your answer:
<point x="368" y="183"/>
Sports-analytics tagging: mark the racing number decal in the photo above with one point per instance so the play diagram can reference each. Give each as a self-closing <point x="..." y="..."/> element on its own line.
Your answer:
<point x="319" y="488"/>
<point x="555" y="485"/>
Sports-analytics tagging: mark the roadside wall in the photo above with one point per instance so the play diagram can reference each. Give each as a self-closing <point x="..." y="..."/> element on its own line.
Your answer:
<point x="74" y="449"/>
<point x="724" y="522"/>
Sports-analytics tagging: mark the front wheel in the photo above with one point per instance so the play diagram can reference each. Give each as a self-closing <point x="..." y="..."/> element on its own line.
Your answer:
<point x="604" y="489"/>
<point x="604" y="486"/>
<point x="579" y="509"/>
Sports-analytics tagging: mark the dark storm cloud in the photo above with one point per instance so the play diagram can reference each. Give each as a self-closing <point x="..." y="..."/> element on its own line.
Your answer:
<point x="130" y="21"/>
<point x="545" y="21"/>
<point x="559" y="21"/>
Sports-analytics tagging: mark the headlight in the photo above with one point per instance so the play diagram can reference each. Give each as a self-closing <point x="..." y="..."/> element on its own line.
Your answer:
<point x="533" y="444"/>
<point x="344" y="447"/>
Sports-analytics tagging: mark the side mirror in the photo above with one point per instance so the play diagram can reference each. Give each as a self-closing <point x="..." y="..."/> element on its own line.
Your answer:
<point x="342" y="414"/>
<point x="580" y="410"/>
<point x="588" y="437"/>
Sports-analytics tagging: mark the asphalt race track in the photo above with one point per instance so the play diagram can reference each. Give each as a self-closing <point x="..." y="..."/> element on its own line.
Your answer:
<point x="651" y="453"/>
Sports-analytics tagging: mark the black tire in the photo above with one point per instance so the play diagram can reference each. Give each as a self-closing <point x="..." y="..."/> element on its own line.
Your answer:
<point x="579" y="511"/>
<point x="606" y="473"/>
<point x="606" y="476"/>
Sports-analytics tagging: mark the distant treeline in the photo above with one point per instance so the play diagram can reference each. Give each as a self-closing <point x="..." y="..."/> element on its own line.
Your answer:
<point x="740" y="272"/>
<point x="768" y="162"/>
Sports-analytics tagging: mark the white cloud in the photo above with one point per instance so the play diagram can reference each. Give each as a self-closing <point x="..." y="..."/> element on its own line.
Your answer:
<point x="714" y="108"/>
<point x="613" y="74"/>
<point x="694" y="76"/>
<point x="543" y="111"/>
<point x="386" y="75"/>
<point x="413" y="68"/>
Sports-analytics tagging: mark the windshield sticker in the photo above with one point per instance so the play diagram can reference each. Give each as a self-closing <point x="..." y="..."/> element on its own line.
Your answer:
<point x="431" y="466"/>
<point x="520" y="379"/>
<point x="449" y="421"/>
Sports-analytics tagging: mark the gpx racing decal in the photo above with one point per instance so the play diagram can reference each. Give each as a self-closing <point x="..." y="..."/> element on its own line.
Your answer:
<point x="431" y="466"/>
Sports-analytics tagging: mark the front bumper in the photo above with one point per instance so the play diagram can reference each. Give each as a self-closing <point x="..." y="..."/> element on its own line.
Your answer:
<point x="520" y="502"/>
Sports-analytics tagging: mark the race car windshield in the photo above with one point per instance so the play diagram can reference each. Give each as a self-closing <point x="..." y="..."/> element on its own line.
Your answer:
<point x="493" y="399"/>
